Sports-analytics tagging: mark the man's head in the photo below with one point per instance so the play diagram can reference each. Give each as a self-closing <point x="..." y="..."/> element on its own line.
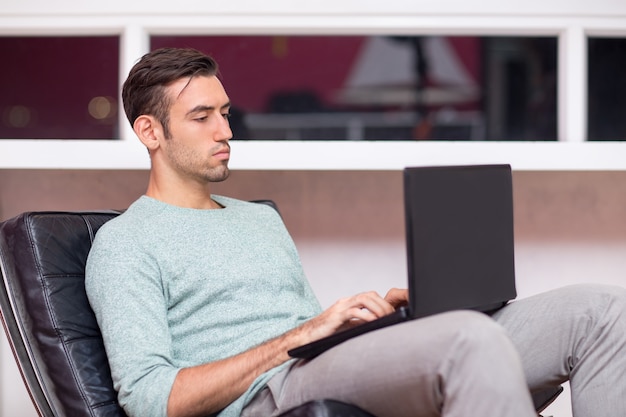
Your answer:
<point x="179" y="110"/>
<point x="144" y="92"/>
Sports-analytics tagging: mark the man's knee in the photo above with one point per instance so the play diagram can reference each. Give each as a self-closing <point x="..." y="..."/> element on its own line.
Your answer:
<point x="597" y="302"/>
<point x="482" y="349"/>
<point x="479" y="330"/>
<point x="477" y="335"/>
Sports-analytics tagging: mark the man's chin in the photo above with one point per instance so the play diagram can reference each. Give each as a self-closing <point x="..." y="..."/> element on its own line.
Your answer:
<point x="220" y="175"/>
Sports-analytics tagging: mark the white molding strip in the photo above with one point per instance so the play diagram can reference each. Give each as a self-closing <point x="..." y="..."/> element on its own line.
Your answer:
<point x="327" y="155"/>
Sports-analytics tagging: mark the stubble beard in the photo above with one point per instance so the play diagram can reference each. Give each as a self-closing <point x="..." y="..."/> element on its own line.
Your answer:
<point x="218" y="174"/>
<point x="189" y="164"/>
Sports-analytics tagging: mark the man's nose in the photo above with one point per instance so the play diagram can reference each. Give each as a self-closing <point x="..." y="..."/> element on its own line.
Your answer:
<point x="224" y="132"/>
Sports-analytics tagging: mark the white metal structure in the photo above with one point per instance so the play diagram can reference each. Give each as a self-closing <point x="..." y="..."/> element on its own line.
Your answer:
<point x="571" y="21"/>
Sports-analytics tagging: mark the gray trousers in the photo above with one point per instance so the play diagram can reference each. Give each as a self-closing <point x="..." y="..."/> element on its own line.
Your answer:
<point x="464" y="363"/>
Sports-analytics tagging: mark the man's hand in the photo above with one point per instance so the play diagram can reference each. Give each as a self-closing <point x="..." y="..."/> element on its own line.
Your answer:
<point x="397" y="297"/>
<point x="350" y="311"/>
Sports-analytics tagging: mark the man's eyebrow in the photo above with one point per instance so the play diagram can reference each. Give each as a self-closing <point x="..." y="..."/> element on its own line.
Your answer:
<point x="202" y="107"/>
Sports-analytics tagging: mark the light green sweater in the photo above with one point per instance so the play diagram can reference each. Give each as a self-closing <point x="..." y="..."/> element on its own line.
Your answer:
<point x="174" y="287"/>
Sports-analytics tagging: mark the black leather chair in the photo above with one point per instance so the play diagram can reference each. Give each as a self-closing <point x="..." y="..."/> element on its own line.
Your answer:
<point x="52" y="329"/>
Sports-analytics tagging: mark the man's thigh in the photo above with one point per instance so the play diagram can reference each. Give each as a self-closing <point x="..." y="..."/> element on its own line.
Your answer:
<point x="406" y="368"/>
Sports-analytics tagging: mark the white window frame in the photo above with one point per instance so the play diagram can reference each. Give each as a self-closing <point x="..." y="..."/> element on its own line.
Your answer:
<point x="572" y="29"/>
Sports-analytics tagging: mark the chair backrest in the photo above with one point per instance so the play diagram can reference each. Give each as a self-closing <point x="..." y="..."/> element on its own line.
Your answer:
<point x="45" y="312"/>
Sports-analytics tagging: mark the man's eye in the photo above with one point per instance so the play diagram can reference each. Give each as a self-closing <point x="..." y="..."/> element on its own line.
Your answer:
<point x="200" y="119"/>
<point x="226" y="115"/>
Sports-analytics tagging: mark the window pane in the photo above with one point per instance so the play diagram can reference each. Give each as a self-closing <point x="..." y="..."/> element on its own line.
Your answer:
<point x="385" y="87"/>
<point x="59" y="87"/>
<point x="607" y="89"/>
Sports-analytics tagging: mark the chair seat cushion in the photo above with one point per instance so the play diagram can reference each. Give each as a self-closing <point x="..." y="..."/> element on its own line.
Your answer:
<point x="326" y="408"/>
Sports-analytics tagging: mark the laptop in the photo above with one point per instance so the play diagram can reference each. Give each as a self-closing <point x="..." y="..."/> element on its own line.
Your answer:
<point x="459" y="240"/>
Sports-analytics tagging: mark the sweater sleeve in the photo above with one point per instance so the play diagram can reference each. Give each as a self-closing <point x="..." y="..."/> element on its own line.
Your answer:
<point x="126" y="294"/>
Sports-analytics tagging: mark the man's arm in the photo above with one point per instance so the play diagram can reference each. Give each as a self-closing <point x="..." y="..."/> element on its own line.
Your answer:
<point x="208" y="388"/>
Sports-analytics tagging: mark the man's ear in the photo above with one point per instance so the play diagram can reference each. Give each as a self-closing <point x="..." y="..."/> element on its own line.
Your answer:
<point x="148" y="130"/>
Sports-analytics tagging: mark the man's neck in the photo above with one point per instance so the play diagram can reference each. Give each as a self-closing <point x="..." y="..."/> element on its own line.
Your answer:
<point x="197" y="197"/>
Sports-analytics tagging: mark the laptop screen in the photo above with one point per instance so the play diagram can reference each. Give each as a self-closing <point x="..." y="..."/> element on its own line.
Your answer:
<point x="459" y="226"/>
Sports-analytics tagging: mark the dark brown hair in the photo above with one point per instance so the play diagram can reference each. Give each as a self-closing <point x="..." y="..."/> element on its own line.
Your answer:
<point x="144" y="89"/>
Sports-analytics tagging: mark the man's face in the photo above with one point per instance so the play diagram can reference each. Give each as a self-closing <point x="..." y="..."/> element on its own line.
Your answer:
<point x="198" y="146"/>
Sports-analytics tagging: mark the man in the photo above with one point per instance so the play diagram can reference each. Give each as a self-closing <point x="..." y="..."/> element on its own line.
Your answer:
<point x="199" y="297"/>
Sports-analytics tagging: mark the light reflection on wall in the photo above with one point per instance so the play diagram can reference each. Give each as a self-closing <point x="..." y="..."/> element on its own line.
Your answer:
<point x="103" y="109"/>
<point x="17" y="116"/>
